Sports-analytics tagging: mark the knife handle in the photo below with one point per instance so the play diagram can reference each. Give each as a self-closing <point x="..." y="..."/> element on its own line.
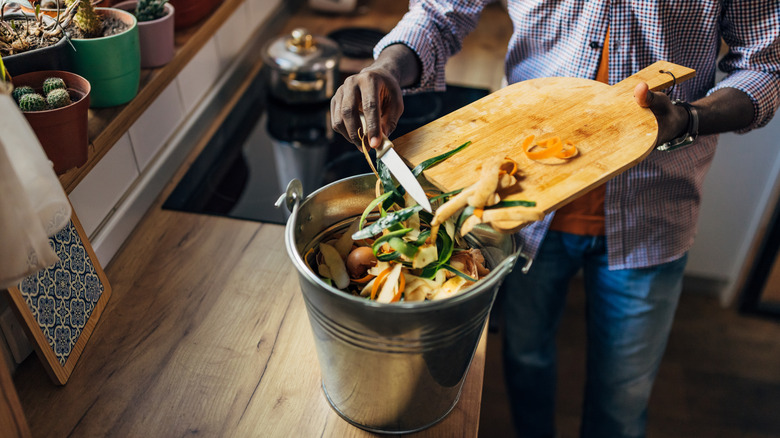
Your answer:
<point x="386" y="143"/>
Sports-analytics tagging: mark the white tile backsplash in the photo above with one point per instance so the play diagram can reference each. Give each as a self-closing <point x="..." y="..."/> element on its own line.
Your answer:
<point x="199" y="76"/>
<point x="233" y="35"/>
<point x="153" y="128"/>
<point x="259" y="10"/>
<point x="97" y="194"/>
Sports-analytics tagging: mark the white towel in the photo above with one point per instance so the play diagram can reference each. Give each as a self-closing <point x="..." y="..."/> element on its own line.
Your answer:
<point x="33" y="205"/>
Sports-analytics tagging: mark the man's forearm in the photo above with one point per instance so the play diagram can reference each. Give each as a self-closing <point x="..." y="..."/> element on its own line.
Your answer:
<point x="725" y="110"/>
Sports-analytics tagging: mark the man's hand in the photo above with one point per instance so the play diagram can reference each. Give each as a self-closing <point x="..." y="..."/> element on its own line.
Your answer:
<point x="672" y="119"/>
<point x="376" y="92"/>
<point x="725" y="110"/>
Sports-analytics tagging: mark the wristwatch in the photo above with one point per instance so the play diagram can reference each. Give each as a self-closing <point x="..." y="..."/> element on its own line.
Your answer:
<point x="691" y="132"/>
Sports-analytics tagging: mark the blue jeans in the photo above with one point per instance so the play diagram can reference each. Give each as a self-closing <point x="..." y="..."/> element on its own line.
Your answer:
<point x="629" y="316"/>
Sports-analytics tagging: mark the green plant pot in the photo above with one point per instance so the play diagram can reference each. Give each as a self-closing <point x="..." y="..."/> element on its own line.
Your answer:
<point x="111" y="64"/>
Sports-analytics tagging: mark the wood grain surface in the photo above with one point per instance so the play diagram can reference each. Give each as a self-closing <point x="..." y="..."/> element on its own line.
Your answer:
<point x="611" y="132"/>
<point x="13" y="424"/>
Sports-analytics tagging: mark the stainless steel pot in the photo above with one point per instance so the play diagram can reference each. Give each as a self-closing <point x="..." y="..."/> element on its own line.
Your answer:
<point x="301" y="67"/>
<point x="389" y="368"/>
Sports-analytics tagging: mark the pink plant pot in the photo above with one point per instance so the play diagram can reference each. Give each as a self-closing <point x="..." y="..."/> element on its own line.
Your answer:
<point x="156" y="36"/>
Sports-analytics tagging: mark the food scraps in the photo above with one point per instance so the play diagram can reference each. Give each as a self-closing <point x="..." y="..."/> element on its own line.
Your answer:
<point x="396" y="252"/>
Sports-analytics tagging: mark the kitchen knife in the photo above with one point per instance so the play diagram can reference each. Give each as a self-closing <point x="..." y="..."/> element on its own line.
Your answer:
<point x="400" y="171"/>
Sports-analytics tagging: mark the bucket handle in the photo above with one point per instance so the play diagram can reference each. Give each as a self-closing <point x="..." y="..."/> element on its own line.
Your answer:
<point x="516" y="256"/>
<point x="292" y="196"/>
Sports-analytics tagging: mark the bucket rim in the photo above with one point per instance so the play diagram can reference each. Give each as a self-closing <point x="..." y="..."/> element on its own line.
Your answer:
<point x="493" y="279"/>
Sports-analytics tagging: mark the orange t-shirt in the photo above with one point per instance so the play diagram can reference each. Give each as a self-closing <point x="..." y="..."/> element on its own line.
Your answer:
<point x="585" y="215"/>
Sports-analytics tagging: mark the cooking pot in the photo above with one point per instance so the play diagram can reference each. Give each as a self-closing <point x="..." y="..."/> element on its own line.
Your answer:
<point x="301" y="67"/>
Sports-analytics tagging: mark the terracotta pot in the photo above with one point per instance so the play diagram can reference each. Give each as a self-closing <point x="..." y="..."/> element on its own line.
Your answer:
<point x="63" y="132"/>
<point x="189" y="12"/>
<point x="55" y="57"/>
<point x="156" y="36"/>
<point x="111" y="64"/>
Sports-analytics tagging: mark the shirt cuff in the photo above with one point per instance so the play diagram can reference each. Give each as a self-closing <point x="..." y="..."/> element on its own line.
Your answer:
<point x="762" y="88"/>
<point x="412" y="36"/>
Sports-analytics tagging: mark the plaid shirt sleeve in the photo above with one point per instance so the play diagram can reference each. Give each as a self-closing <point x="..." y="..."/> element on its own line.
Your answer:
<point x="751" y="29"/>
<point x="435" y="31"/>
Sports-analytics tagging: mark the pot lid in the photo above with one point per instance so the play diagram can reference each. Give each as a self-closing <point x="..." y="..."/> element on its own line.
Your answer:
<point x="302" y="52"/>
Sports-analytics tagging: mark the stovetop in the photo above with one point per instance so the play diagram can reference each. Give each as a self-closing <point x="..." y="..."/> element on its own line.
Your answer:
<point x="263" y="144"/>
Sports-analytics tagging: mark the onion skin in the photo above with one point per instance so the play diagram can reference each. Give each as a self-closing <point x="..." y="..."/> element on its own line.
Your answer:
<point x="336" y="268"/>
<point x="359" y="260"/>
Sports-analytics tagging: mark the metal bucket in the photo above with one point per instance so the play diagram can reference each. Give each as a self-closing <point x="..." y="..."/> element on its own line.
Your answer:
<point x="390" y="368"/>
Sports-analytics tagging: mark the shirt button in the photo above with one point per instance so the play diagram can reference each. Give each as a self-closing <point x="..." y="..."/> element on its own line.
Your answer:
<point x="595" y="45"/>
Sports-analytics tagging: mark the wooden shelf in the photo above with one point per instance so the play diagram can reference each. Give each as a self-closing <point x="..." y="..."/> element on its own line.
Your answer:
<point x="107" y="125"/>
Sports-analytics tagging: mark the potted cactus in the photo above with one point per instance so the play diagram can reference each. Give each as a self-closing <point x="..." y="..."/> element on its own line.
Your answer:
<point x="155" y="30"/>
<point x="34" y="42"/>
<point x="107" y="52"/>
<point x="56" y="105"/>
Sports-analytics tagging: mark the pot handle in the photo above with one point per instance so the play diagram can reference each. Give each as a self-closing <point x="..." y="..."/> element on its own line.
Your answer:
<point x="292" y="196"/>
<point x="305" y="86"/>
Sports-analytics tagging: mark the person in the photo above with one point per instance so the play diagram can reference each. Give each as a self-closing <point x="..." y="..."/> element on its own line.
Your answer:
<point x="630" y="236"/>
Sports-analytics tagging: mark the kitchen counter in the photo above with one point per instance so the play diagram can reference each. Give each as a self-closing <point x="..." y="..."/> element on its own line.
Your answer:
<point x="206" y="331"/>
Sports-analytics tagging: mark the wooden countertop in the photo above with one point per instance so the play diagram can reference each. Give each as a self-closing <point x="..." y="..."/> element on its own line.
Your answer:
<point x="206" y="332"/>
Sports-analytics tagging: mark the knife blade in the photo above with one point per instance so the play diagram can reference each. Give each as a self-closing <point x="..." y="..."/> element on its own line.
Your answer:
<point x="400" y="171"/>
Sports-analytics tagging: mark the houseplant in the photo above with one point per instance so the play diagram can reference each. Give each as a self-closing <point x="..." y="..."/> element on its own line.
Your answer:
<point x="155" y="30"/>
<point x="37" y="42"/>
<point x="62" y="131"/>
<point x="107" y="53"/>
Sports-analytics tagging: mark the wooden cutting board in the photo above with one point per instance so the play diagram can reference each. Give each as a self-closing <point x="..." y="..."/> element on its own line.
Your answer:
<point x="611" y="132"/>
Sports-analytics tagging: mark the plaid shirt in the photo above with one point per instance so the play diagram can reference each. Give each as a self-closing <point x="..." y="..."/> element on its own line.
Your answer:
<point x="650" y="210"/>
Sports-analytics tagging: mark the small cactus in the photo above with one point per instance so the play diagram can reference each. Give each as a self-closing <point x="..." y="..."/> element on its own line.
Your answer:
<point x="32" y="102"/>
<point x="58" y="98"/>
<point x="147" y="10"/>
<point x="87" y="19"/>
<point x="21" y="91"/>
<point x="52" y="84"/>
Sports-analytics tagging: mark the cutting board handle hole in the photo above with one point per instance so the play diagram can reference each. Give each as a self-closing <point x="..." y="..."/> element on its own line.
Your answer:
<point x="669" y="90"/>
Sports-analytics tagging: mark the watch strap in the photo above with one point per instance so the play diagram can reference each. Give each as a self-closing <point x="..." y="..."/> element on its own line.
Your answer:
<point x="691" y="130"/>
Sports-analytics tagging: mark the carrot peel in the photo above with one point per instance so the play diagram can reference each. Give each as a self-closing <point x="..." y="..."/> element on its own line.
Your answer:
<point x="378" y="282"/>
<point x="401" y="286"/>
<point x="365" y="279"/>
<point x="550" y="148"/>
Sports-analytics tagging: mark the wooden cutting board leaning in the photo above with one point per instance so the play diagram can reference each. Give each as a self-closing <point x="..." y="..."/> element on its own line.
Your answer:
<point x="611" y="132"/>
